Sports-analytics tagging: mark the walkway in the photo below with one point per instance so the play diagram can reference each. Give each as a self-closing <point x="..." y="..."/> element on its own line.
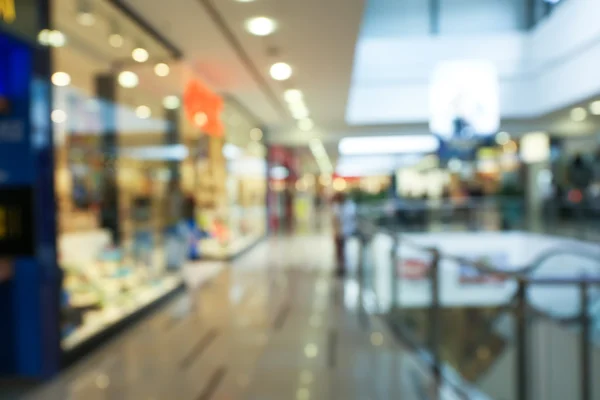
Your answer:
<point x="272" y="326"/>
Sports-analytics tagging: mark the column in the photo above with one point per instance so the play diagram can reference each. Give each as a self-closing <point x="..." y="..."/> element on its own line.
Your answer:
<point x="106" y="92"/>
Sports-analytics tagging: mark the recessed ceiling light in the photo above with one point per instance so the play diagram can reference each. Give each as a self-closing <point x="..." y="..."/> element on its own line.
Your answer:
<point x="299" y="110"/>
<point x="595" y="107"/>
<point x="281" y="71"/>
<point x="244" y="1"/>
<point x="58" y="116"/>
<point x="578" y="114"/>
<point x="56" y="38"/>
<point x="256" y="134"/>
<point x="143" y="112"/>
<point x="261" y="26"/>
<point x="128" y="79"/>
<point x="61" y="79"/>
<point x="306" y="124"/>
<point x="200" y="119"/>
<point x="171" y="102"/>
<point x="86" y="18"/>
<point x="115" y="40"/>
<point x="292" y="95"/>
<point x="162" y="69"/>
<point x="140" y="54"/>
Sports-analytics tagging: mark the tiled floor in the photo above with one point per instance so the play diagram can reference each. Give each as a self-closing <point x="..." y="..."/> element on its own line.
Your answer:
<point x="273" y="325"/>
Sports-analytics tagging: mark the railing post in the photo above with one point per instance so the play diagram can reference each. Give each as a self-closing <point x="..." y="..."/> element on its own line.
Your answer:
<point x="521" y="342"/>
<point x="586" y="392"/>
<point x="434" y="317"/>
<point x="394" y="271"/>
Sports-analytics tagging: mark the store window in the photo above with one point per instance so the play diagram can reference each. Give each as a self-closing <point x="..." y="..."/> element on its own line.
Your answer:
<point x="117" y="156"/>
<point x="238" y="219"/>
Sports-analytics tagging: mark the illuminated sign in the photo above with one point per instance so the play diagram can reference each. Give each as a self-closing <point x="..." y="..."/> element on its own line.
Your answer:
<point x="8" y="13"/>
<point x="16" y="222"/>
<point x="464" y="100"/>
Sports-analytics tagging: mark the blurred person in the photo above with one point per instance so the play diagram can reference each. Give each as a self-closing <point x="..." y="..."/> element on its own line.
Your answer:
<point x="580" y="174"/>
<point x="344" y="223"/>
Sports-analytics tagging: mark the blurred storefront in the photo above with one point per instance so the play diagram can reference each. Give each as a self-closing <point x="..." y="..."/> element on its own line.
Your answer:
<point x="115" y="116"/>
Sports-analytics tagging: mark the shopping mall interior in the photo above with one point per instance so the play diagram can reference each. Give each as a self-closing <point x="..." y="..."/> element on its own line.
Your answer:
<point x="309" y="200"/>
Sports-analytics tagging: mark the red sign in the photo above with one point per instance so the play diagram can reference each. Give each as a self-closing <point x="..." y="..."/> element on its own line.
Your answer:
<point x="203" y="108"/>
<point x="413" y="269"/>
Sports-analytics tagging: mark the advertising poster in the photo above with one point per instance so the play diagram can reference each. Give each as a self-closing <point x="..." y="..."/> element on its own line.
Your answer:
<point x="469" y="274"/>
<point x="413" y="265"/>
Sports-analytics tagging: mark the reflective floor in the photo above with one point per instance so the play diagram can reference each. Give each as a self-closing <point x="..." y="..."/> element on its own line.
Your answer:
<point x="272" y="325"/>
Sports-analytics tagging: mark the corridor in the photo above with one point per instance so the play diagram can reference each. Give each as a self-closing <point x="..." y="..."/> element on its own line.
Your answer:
<point x="273" y="325"/>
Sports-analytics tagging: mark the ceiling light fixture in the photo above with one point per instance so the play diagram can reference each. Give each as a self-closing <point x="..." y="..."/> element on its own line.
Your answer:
<point x="200" y="119"/>
<point x="256" y="134"/>
<point x="128" y="79"/>
<point x="407" y="144"/>
<point x="261" y="26"/>
<point x="293" y="95"/>
<point x="281" y="71"/>
<point x="85" y="16"/>
<point x="58" y="116"/>
<point x="115" y="39"/>
<point x="595" y="107"/>
<point x="143" y="112"/>
<point x="61" y="79"/>
<point x="56" y="38"/>
<point x="299" y="110"/>
<point x="171" y="102"/>
<point x="140" y="54"/>
<point x="162" y="69"/>
<point x="578" y="114"/>
<point x="306" y="124"/>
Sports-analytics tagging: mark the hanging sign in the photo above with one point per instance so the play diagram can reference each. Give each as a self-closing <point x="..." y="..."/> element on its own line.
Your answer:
<point x="203" y="108"/>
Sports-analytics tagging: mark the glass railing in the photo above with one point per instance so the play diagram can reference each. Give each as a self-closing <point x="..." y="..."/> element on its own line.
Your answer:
<point x="491" y="324"/>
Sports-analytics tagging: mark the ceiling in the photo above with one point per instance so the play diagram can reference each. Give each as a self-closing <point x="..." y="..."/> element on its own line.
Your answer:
<point x="316" y="37"/>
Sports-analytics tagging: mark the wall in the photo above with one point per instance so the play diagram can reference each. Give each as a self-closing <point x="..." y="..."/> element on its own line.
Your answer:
<point x="551" y="67"/>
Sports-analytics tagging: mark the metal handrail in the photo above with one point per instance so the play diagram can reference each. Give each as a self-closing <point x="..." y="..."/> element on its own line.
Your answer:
<point x="519" y="301"/>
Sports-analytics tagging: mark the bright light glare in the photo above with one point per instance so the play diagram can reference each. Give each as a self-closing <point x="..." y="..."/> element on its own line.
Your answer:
<point x="578" y="114"/>
<point x="231" y="151"/>
<point x="299" y="110"/>
<point x="200" y="119"/>
<point x="293" y="95"/>
<point x="311" y="350"/>
<point x="306" y="124"/>
<point x="56" y="38"/>
<point x="261" y="26"/>
<point x="162" y="69"/>
<point x="86" y="18"/>
<point x="167" y="152"/>
<point x="281" y="71"/>
<point x="115" y="40"/>
<point x="467" y="90"/>
<point x="389" y="144"/>
<point x="279" y="172"/>
<point x="595" y="107"/>
<point x="143" y="112"/>
<point x="140" y="54"/>
<point x="61" y="79"/>
<point x="58" y="116"/>
<point x="171" y="102"/>
<point x="256" y="134"/>
<point x="339" y="184"/>
<point x="128" y="79"/>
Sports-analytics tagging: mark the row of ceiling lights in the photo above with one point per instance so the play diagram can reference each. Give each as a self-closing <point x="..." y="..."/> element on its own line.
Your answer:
<point x="281" y="71"/>
<point x="580" y="114"/>
<point x="126" y="79"/>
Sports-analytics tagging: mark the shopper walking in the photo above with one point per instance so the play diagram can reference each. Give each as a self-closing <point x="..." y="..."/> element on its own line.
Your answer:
<point x="344" y="213"/>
